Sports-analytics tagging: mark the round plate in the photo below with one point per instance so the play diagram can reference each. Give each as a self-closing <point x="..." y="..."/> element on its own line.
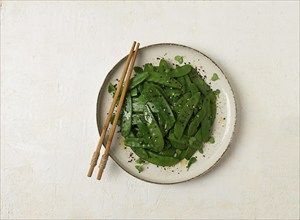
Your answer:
<point x="223" y="127"/>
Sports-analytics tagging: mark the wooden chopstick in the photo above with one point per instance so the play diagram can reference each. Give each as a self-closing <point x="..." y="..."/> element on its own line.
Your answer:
<point x="111" y="110"/>
<point x="119" y="108"/>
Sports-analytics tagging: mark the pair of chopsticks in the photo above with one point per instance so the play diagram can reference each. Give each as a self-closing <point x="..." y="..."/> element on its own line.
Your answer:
<point x="131" y="57"/>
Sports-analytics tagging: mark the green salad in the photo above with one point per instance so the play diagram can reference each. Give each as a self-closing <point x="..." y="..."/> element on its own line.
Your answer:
<point x="168" y="113"/>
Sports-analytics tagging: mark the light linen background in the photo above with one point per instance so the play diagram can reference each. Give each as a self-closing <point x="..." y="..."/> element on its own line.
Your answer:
<point x="54" y="57"/>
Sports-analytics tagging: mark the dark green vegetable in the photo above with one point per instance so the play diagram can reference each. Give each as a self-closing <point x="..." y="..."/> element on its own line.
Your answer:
<point x="139" y="143"/>
<point x="168" y="113"/>
<point x="191" y="86"/>
<point x="168" y="152"/>
<point x="199" y="82"/>
<point x="181" y="102"/>
<point x="182" y="82"/>
<point x="136" y="80"/>
<point x="138" y="69"/>
<point x="205" y="129"/>
<point x="148" y="67"/>
<point x="126" y="116"/>
<point x="185" y="115"/>
<point x="163" y="66"/>
<point x="190" y="152"/>
<point x="136" y="118"/>
<point x="159" y="103"/>
<point x="191" y="161"/>
<point x="198" y="118"/>
<point x="141" y="153"/>
<point x="161" y="160"/>
<point x="163" y="80"/>
<point x="172" y="94"/>
<point x="142" y="128"/>
<point x="154" y="131"/>
<point x="181" y="71"/>
<point x="178" y="143"/>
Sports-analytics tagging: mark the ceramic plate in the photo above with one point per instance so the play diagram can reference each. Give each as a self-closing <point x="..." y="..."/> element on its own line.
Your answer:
<point x="222" y="130"/>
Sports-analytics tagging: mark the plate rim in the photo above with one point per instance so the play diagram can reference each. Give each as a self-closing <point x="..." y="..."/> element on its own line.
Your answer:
<point x="234" y="125"/>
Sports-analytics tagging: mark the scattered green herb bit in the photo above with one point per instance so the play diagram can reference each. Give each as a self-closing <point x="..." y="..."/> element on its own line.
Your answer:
<point x="179" y="59"/>
<point x="217" y="92"/>
<point x="139" y="160"/>
<point x="191" y="161"/>
<point x="139" y="165"/>
<point x="111" y="88"/>
<point x="201" y="150"/>
<point x="138" y="69"/>
<point x="211" y="140"/>
<point x="215" y="77"/>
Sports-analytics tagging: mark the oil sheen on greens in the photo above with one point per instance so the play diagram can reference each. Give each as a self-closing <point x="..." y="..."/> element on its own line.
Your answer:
<point x="168" y="113"/>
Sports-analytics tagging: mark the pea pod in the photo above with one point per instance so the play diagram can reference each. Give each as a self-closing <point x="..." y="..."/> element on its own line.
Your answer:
<point x="172" y="93"/>
<point x="191" y="86"/>
<point x="148" y="67"/>
<point x="206" y="125"/>
<point x="185" y="115"/>
<point x="138" y="69"/>
<point x="213" y="109"/>
<point x="158" y="101"/>
<point x="127" y="116"/>
<point x="138" y="104"/>
<point x="205" y="129"/>
<point x="182" y="82"/>
<point x="181" y="102"/>
<point x="139" y="143"/>
<point x="178" y="143"/>
<point x="142" y="129"/>
<point x="197" y="146"/>
<point x="163" y="66"/>
<point x="212" y="96"/>
<point x="136" y="80"/>
<point x="154" y="131"/>
<point x="161" y="160"/>
<point x="163" y="80"/>
<point x="198" y="118"/>
<point x="169" y="152"/>
<point x="131" y="135"/>
<point x="140" y="88"/>
<point x="190" y="152"/>
<point x="161" y="90"/>
<point x="136" y="118"/>
<point x="181" y="71"/>
<point x="141" y="153"/>
<point x="199" y="82"/>
<point x="213" y="106"/>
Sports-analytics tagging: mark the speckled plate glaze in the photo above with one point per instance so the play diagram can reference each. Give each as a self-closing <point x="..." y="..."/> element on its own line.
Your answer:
<point x="222" y="130"/>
